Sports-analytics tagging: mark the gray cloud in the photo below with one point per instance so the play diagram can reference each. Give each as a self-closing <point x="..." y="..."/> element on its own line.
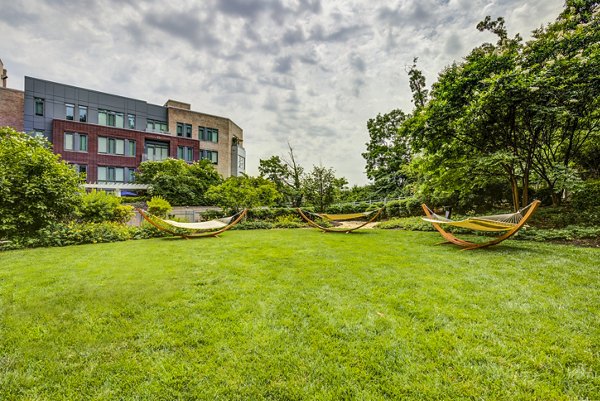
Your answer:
<point x="283" y="65"/>
<point x="357" y="63"/>
<point x="293" y="36"/>
<point x="186" y="25"/>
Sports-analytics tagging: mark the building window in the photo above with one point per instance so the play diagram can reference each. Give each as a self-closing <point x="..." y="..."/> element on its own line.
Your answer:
<point x="156" y="151"/>
<point x="38" y="133"/>
<point x="80" y="168"/>
<point x="208" y="134"/>
<point x="82" y="114"/>
<point x="116" y="146"/>
<point x="130" y="121"/>
<point x="83" y="143"/>
<point x="110" y="118"/>
<point x="156" y="126"/>
<point x="69" y="111"/>
<point x="241" y="163"/>
<point x="184" y="130"/>
<point x="131" y="148"/>
<point x="76" y="142"/>
<point x="39" y="106"/>
<point x="114" y="174"/>
<point x="68" y="141"/>
<point x="211" y="155"/>
<point x="185" y="153"/>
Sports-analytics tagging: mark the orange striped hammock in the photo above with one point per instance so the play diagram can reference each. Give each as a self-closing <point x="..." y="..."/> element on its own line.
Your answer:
<point x="508" y="223"/>
<point x="211" y="228"/>
<point x="370" y="216"/>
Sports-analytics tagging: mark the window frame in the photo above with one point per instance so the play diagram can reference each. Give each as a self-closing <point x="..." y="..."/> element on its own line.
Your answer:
<point x="38" y="101"/>
<point x="71" y="107"/>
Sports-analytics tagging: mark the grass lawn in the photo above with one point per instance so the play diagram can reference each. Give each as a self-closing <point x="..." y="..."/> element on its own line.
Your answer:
<point x="296" y="314"/>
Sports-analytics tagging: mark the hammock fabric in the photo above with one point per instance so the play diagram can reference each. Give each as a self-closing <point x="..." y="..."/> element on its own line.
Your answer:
<point x="210" y="228"/>
<point x="508" y="223"/>
<point x="339" y="217"/>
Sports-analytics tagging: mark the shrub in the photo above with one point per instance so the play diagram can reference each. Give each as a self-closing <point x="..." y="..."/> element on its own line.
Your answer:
<point x="587" y="195"/>
<point x="406" y="223"/>
<point x="98" y="206"/>
<point x="36" y="187"/>
<point x="288" y="221"/>
<point x="253" y="225"/>
<point x="159" y="206"/>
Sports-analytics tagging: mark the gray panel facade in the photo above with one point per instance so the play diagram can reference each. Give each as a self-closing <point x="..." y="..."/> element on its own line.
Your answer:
<point x="55" y="96"/>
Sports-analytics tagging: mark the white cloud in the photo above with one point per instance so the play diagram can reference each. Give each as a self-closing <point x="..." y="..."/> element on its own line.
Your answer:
<point x="303" y="71"/>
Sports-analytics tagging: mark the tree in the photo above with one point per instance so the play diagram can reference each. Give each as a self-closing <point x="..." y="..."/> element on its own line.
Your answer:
<point x="321" y="187"/>
<point x="244" y="191"/>
<point x="36" y="187"/>
<point x="286" y="175"/>
<point x="178" y="182"/>
<point x="386" y="152"/>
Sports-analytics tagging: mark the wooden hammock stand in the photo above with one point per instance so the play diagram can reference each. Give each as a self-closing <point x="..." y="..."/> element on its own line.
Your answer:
<point x="467" y="245"/>
<point x="165" y="227"/>
<point x="338" y="230"/>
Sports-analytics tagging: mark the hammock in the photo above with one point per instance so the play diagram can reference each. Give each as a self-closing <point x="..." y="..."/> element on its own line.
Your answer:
<point x="372" y="215"/>
<point x="509" y="223"/>
<point x="211" y="228"/>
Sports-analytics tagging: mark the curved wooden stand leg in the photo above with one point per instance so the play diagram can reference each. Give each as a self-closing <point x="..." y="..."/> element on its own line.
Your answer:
<point x="510" y="233"/>
<point x="467" y="246"/>
<point x="451" y="239"/>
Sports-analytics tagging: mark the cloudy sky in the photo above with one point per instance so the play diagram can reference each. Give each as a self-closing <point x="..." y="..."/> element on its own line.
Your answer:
<point x="307" y="72"/>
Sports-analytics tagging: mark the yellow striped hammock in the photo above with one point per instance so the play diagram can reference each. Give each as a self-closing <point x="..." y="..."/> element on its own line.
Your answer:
<point x="211" y="228"/>
<point x="370" y="216"/>
<point x="508" y="223"/>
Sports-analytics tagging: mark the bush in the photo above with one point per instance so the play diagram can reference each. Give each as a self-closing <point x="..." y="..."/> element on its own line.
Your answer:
<point x="586" y="196"/>
<point x="271" y="213"/>
<point x="36" y="187"/>
<point x="253" y="225"/>
<point x="288" y="221"/>
<point x="159" y="206"/>
<point x="406" y="223"/>
<point x="98" y="206"/>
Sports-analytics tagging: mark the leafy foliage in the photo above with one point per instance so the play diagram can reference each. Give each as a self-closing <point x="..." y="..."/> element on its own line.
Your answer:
<point x="98" y="206"/>
<point x="159" y="206"/>
<point x="178" y="182"/>
<point x="321" y="187"/>
<point x="510" y="119"/>
<point x="36" y="187"/>
<point x="244" y="191"/>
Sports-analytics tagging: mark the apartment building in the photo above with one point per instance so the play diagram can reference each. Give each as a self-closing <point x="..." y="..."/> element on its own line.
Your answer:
<point x="107" y="136"/>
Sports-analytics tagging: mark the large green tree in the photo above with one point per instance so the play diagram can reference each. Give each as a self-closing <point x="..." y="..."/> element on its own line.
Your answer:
<point x="178" y="182"/>
<point x="36" y="187"/>
<point x="244" y="191"/>
<point x="286" y="174"/>
<point x="322" y="187"/>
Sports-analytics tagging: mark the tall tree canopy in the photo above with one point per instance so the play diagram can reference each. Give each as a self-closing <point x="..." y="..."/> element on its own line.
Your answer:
<point x="526" y="114"/>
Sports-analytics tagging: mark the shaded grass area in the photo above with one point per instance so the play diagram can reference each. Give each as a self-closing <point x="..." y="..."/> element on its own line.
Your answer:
<point x="296" y="314"/>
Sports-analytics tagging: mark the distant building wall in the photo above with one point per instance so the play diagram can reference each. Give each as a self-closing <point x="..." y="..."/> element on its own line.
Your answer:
<point x="56" y="97"/>
<point x="11" y="108"/>
<point x="228" y="133"/>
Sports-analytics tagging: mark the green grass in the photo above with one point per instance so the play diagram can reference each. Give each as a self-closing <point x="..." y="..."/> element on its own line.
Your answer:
<point x="296" y="314"/>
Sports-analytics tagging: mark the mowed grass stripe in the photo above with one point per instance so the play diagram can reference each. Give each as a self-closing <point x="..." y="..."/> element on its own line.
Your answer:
<point x="296" y="314"/>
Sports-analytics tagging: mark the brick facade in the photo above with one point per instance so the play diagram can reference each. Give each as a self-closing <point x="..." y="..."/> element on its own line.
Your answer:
<point x="179" y="112"/>
<point x="11" y="108"/>
<point x="92" y="159"/>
